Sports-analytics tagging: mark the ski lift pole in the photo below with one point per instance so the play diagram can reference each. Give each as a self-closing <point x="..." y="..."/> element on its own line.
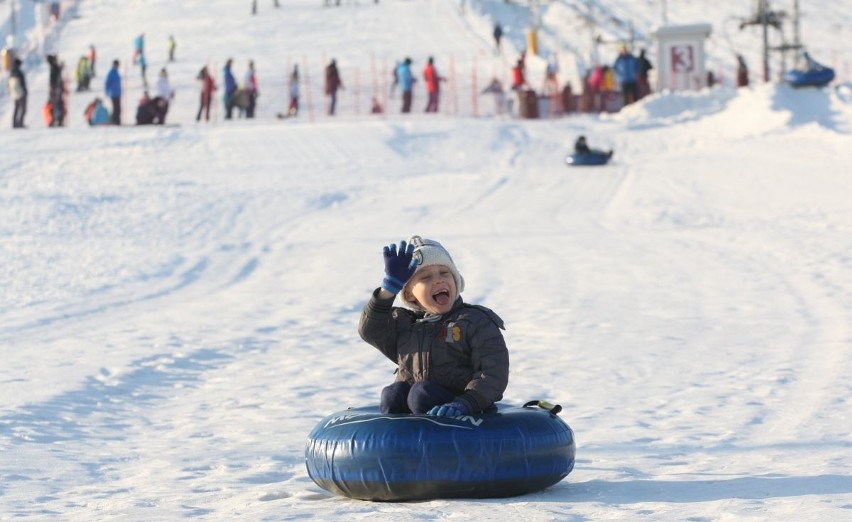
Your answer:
<point x="764" y="18"/>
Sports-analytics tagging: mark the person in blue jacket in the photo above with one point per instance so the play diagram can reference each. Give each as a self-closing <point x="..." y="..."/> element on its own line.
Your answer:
<point x="626" y="68"/>
<point x="230" y="89"/>
<point x="406" y="83"/>
<point x="112" y="88"/>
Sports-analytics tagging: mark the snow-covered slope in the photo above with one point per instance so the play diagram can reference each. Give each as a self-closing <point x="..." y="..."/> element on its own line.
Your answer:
<point x="179" y="304"/>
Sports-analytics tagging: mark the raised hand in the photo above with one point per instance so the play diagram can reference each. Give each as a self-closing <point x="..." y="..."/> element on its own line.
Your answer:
<point x="399" y="266"/>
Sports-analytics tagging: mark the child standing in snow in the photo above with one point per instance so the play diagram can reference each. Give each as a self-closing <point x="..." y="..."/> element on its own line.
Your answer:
<point x="451" y="356"/>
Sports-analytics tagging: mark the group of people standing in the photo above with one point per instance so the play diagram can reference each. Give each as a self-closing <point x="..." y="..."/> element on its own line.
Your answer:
<point x="243" y="99"/>
<point x="628" y="74"/>
<point x="56" y="108"/>
<point x="404" y="78"/>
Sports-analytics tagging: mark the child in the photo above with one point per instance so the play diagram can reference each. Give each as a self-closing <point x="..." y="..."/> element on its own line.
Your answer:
<point x="581" y="147"/>
<point x="452" y="359"/>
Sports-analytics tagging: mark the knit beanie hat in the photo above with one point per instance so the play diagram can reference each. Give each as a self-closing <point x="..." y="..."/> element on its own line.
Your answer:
<point x="428" y="252"/>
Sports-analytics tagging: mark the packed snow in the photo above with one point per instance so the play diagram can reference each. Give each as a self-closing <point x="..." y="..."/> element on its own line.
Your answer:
<point x="179" y="304"/>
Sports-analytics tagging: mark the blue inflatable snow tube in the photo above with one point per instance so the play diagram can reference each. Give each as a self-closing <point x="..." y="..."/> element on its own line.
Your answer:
<point x="818" y="77"/>
<point x="363" y="454"/>
<point x="594" y="158"/>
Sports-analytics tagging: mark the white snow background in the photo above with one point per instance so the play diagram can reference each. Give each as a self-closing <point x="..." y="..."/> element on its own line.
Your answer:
<point x="179" y="304"/>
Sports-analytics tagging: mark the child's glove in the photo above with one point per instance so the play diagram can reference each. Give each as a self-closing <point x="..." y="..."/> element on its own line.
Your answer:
<point x="399" y="266"/>
<point x="450" y="409"/>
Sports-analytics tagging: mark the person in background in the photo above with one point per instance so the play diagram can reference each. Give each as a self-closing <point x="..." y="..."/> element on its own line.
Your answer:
<point x="93" y="56"/>
<point x="96" y="113"/>
<point x="406" y="84"/>
<point x="645" y="67"/>
<point x="495" y="88"/>
<point x="143" y="69"/>
<point x="250" y="87"/>
<point x="451" y="357"/>
<point x="293" y="108"/>
<point x="394" y="80"/>
<point x="208" y="86"/>
<point x="376" y="107"/>
<point x="138" y="47"/>
<point x="742" y="72"/>
<point x="433" y="85"/>
<point x="83" y="74"/>
<point x="230" y="89"/>
<point x="332" y="84"/>
<point x="112" y="88"/>
<point x="518" y="79"/>
<point x="164" y="92"/>
<point x="626" y="68"/>
<point x="172" y="48"/>
<point x="18" y="92"/>
<point x="151" y="111"/>
<point x="56" y="92"/>
<point x="498" y="34"/>
<point x="581" y="147"/>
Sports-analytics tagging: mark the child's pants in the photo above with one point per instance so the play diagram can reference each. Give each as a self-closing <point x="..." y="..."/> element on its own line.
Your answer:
<point x="400" y="397"/>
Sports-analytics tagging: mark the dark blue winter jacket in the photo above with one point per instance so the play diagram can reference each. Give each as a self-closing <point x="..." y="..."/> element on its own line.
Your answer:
<point x="230" y="82"/>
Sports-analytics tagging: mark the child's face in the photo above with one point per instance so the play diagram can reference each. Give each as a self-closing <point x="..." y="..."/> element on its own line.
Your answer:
<point x="433" y="288"/>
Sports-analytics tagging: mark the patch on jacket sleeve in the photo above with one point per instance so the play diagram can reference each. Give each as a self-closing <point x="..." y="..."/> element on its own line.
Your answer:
<point x="451" y="333"/>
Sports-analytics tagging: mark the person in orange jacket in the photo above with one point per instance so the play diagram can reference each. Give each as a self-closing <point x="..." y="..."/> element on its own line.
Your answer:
<point x="433" y="85"/>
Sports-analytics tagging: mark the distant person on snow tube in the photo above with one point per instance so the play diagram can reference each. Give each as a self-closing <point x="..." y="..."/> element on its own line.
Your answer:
<point x="581" y="148"/>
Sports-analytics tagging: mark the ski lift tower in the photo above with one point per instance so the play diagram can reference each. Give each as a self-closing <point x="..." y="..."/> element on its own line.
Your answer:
<point x="681" y="56"/>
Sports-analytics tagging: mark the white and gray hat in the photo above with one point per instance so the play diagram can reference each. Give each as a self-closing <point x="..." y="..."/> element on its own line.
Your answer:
<point x="429" y="252"/>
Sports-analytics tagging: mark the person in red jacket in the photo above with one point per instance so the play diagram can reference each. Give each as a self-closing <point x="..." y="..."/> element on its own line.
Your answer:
<point x="208" y="85"/>
<point x="519" y="82"/>
<point x="433" y="80"/>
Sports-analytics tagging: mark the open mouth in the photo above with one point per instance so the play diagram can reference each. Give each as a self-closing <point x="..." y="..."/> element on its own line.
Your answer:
<point x="442" y="297"/>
